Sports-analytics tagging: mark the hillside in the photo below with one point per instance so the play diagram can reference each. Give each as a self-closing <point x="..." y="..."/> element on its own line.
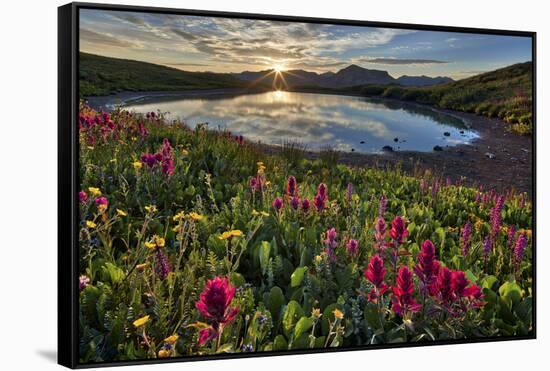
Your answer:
<point x="103" y="75"/>
<point x="505" y="93"/>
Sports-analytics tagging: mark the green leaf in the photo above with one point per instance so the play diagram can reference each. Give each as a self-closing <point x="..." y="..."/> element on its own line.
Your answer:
<point x="225" y="348"/>
<point x="293" y="312"/>
<point x="489" y="282"/>
<point x="472" y="277"/>
<point x="280" y="343"/>
<point x="511" y="291"/>
<point x="265" y="249"/>
<point x="303" y="325"/>
<point x="276" y="301"/>
<point x="298" y="276"/>
<point x="112" y="273"/>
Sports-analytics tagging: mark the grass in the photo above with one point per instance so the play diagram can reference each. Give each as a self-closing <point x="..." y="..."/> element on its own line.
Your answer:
<point x="103" y="76"/>
<point x="173" y="218"/>
<point x="504" y="93"/>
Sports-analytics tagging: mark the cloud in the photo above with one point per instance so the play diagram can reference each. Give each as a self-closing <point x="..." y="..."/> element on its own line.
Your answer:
<point x="395" y="61"/>
<point x="93" y="37"/>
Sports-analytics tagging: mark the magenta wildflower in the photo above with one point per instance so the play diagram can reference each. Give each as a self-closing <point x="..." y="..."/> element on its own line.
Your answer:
<point x="319" y="203"/>
<point x="466" y="232"/>
<point x="253" y="183"/>
<point x="321" y="197"/>
<point x="375" y="273"/>
<point x="295" y="202"/>
<point x="149" y="159"/>
<point x="398" y="231"/>
<point x="291" y="186"/>
<point x="443" y="286"/>
<point x="331" y="243"/>
<point x="278" y="203"/>
<point x="305" y="205"/>
<point x="353" y="248"/>
<point x="382" y="205"/>
<point x="511" y="236"/>
<point x="427" y="267"/>
<point x="496" y="216"/>
<point x="83" y="281"/>
<point x="487" y="247"/>
<point x="459" y="282"/>
<point x="519" y="249"/>
<point x="83" y="197"/>
<point x="167" y="158"/>
<point x="380" y="228"/>
<point x="322" y="190"/>
<point x="214" y="303"/>
<point x="403" y="300"/>
<point x="162" y="264"/>
<point x="101" y="202"/>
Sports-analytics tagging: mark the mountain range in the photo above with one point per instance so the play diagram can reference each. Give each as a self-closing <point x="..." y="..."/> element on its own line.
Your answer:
<point x="352" y="75"/>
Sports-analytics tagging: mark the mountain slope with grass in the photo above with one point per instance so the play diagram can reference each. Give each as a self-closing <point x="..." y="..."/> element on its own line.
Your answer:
<point x="505" y="93"/>
<point x="100" y="75"/>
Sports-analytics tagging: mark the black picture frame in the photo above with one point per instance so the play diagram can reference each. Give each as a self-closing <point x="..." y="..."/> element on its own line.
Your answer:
<point x="68" y="182"/>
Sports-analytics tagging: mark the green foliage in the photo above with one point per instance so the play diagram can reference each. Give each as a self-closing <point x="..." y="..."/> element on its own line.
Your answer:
<point x="100" y="75"/>
<point x="291" y="291"/>
<point x="505" y="93"/>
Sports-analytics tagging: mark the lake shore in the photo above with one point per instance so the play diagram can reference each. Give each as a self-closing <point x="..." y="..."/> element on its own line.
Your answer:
<point x="497" y="159"/>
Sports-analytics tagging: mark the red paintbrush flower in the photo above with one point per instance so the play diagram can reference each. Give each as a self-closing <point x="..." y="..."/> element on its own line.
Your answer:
<point x="427" y="266"/>
<point x="215" y="301"/>
<point x="403" y="293"/>
<point x="375" y="273"/>
<point x="398" y="231"/>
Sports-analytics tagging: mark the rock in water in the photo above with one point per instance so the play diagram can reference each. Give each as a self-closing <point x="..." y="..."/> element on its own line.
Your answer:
<point x="447" y="134"/>
<point x="490" y="155"/>
<point x="438" y="148"/>
<point x="387" y="149"/>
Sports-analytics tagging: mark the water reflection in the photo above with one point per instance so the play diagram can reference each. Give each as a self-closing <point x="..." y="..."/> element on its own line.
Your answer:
<point x="318" y="120"/>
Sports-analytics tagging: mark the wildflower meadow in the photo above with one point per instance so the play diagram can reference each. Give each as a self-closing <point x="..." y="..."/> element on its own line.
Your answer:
<point x="198" y="242"/>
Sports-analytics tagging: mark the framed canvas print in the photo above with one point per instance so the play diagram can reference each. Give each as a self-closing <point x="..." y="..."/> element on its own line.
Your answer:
<point x="235" y="185"/>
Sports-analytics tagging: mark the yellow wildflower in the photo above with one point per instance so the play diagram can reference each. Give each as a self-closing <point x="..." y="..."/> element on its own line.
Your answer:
<point x="163" y="353"/>
<point x="113" y="160"/>
<point x="121" y="212"/>
<point x="151" y="209"/>
<point x="141" y="267"/>
<point x="172" y="339"/>
<point x="90" y="224"/>
<point x="94" y="191"/>
<point x="178" y="216"/>
<point x="184" y="152"/>
<point x="478" y="224"/>
<point x="230" y="234"/>
<point x="195" y="216"/>
<point x="138" y="165"/>
<point x="318" y="259"/>
<point x="141" y="321"/>
<point x="316" y="313"/>
<point x="262" y="213"/>
<point x="156" y="241"/>
<point x="338" y="314"/>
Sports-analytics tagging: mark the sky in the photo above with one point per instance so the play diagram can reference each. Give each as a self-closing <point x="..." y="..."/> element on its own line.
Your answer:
<point x="194" y="43"/>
